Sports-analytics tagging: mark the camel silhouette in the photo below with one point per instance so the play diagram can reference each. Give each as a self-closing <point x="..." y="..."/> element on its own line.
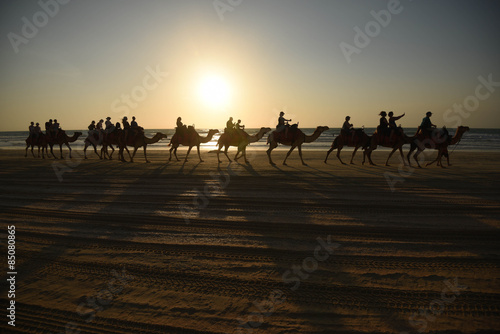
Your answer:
<point x="139" y="140"/>
<point x="396" y="144"/>
<point x="41" y="142"/>
<point x="241" y="141"/>
<point x="294" y="139"/>
<point x="60" y="139"/>
<point x="359" y="139"/>
<point x="190" y="139"/>
<point x="421" y="142"/>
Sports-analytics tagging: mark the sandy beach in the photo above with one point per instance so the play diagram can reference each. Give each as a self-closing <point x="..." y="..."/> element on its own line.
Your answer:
<point x="112" y="247"/>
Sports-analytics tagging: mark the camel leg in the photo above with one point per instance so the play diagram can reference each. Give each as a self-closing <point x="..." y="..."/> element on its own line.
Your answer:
<point x="52" y="151"/>
<point x="402" y="155"/>
<point x="300" y="155"/>
<point x="328" y="153"/>
<point x="218" y="153"/>
<point x="225" y="152"/>
<point x="408" y="156"/>
<point x="60" y="148"/>
<point x="69" y="148"/>
<point x="272" y="146"/>
<point x="145" y="155"/>
<point x="288" y="154"/>
<point x="38" y="156"/>
<point x="110" y="156"/>
<point x="199" y="154"/>
<point x="245" y="155"/>
<point x="353" y="154"/>
<point x="133" y="154"/>
<point x="338" y="155"/>
<point x="175" y="153"/>
<point x="26" y="153"/>
<point x="187" y="154"/>
<point x="170" y="151"/>
<point x="85" y="151"/>
<point x="415" y="156"/>
<point x="390" y="155"/>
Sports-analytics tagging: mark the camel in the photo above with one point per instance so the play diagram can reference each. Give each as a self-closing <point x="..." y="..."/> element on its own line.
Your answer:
<point x="137" y="141"/>
<point x="360" y="139"/>
<point x="226" y="140"/>
<point x="191" y="139"/>
<point x="94" y="139"/>
<point x="41" y="143"/>
<point x="294" y="139"/>
<point x="60" y="139"/>
<point x="396" y="144"/>
<point x="440" y="143"/>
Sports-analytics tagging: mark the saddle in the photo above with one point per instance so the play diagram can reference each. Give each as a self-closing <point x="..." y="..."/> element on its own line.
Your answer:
<point x="352" y="138"/>
<point x="288" y="134"/>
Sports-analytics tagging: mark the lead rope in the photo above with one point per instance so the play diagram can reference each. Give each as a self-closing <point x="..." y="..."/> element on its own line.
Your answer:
<point x="454" y="147"/>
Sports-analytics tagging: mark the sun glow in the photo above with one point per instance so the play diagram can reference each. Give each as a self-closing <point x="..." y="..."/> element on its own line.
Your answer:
<point x="214" y="91"/>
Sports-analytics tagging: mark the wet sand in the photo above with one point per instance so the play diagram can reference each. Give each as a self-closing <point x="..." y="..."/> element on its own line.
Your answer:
<point x="111" y="247"/>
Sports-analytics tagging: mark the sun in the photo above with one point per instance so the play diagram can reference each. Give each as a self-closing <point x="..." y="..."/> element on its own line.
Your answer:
<point x="214" y="91"/>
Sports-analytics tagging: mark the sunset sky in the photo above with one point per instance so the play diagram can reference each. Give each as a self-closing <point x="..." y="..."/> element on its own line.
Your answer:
<point x="206" y="60"/>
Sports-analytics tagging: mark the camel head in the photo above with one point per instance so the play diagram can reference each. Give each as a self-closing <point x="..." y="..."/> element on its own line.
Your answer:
<point x="265" y="130"/>
<point x="211" y="132"/>
<point x="463" y="129"/>
<point x="160" y="135"/>
<point x="322" y="129"/>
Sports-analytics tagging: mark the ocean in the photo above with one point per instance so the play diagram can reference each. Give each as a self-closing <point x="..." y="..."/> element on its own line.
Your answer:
<point x="474" y="140"/>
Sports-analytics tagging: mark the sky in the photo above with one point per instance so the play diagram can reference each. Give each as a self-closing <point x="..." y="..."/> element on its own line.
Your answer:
<point x="208" y="60"/>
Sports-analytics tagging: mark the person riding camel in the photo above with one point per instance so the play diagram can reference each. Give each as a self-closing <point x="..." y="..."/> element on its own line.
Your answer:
<point x="36" y="132"/>
<point x="91" y="126"/>
<point x="383" y="126"/>
<point x="109" y="125"/>
<point x="31" y="130"/>
<point x="134" y="127"/>
<point x="426" y="126"/>
<point x="180" y="130"/>
<point x="98" y="126"/>
<point x="54" y="129"/>
<point x="48" y="126"/>
<point x="133" y="124"/>
<point x="229" y="125"/>
<point x="392" y="124"/>
<point x="239" y="126"/>
<point x="347" y="128"/>
<point x="126" y="127"/>
<point x="282" y="124"/>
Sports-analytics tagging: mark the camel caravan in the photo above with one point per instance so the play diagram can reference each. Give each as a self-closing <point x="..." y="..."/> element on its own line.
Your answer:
<point x="123" y="135"/>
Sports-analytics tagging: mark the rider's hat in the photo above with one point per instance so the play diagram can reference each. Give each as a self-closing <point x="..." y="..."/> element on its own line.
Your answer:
<point x="125" y="118"/>
<point x="108" y="117"/>
<point x="383" y="113"/>
<point x="428" y="113"/>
